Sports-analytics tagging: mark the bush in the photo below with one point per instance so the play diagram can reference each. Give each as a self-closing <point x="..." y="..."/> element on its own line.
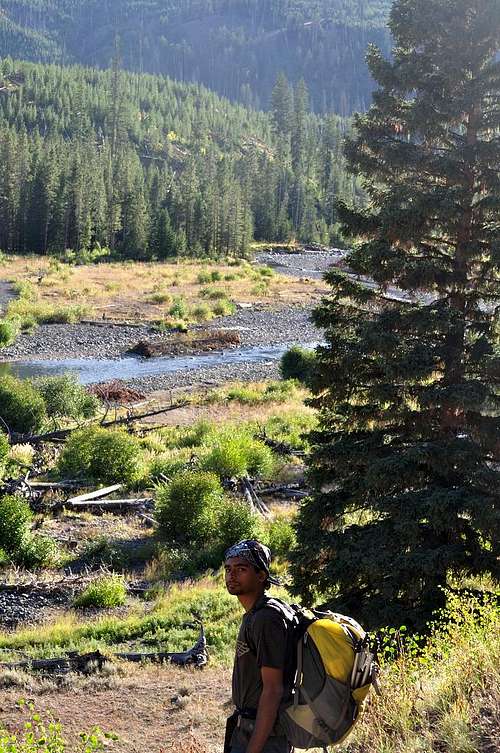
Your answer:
<point x="236" y="521"/>
<point x="281" y="536"/>
<point x="102" y="455"/>
<point x="108" y="591"/>
<point x="234" y="457"/>
<point x="15" y="522"/>
<point x="187" y="507"/>
<point x="298" y="363"/>
<point x="202" y="312"/>
<point x="168" y="464"/>
<point x="21" y="405"/>
<point x="179" y="308"/>
<point x="64" y="396"/>
<point x="4" y="451"/>
<point x="16" y="538"/>
<point x="9" y="330"/>
<point x="223" y="308"/>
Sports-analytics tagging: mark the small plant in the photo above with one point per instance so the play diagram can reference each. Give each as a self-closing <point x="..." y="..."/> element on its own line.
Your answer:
<point x="22" y="408"/>
<point x="281" y="535"/>
<point x="236" y="521"/>
<point x="17" y="540"/>
<point x="105" y="592"/>
<point x="214" y="294"/>
<point x="9" y="330"/>
<point x="179" y="308"/>
<point x="238" y="456"/>
<point x="64" y="396"/>
<point x="202" y="313"/>
<point x="103" y="455"/>
<point x="223" y="308"/>
<point x="159" y="296"/>
<point x="298" y="363"/>
<point x="187" y="507"/>
<point x="47" y="736"/>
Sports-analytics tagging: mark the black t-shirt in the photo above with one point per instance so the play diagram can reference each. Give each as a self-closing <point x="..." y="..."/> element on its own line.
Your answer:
<point x="264" y="640"/>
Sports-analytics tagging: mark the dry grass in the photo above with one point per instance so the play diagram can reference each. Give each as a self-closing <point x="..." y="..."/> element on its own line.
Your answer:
<point x="148" y="291"/>
<point x="447" y="699"/>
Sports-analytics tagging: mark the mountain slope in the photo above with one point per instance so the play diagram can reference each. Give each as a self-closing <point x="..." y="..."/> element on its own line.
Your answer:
<point x="236" y="47"/>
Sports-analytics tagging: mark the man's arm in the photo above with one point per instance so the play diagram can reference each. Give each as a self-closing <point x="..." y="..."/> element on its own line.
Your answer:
<point x="267" y="710"/>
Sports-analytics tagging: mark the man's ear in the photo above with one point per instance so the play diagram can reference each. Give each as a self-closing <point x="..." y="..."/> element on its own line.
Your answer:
<point x="262" y="575"/>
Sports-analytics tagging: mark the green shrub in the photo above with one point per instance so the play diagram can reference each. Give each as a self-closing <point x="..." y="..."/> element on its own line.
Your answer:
<point x="168" y="464"/>
<point x="202" y="312"/>
<point x="298" y="363"/>
<point x="179" y="308"/>
<point x="103" y="455"/>
<point x="22" y="407"/>
<point x="187" y="507"/>
<point x="15" y="522"/>
<point x="4" y="451"/>
<point x="64" y="396"/>
<point x="214" y="294"/>
<point x="281" y="536"/>
<point x="223" y="308"/>
<point x="291" y="429"/>
<point x="236" y="521"/>
<point x="9" y="330"/>
<point x="108" y="591"/>
<point x="203" y="277"/>
<point x="16" y="538"/>
<point x="37" y="551"/>
<point x="237" y="456"/>
<point x="260" y="459"/>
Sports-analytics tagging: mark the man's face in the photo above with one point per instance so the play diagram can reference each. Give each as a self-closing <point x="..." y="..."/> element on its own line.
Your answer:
<point x="242" y="578"/>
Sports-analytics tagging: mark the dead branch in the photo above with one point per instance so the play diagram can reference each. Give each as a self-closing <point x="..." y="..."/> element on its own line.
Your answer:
<point x="61" y="434"/>
<point x="86" y="663"/>
<point x="103" y="492"/>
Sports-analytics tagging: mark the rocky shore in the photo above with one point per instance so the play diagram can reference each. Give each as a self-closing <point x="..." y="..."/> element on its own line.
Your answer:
<point x="257" y="326"/>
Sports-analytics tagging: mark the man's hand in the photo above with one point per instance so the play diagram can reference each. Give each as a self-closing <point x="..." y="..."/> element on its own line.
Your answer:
<point x="267" y="710"/>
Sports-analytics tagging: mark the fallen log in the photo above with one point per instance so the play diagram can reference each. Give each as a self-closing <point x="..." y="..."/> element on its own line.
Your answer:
<point x="285" y="491"/>
<point x="251" y="495"/>
<point x="103" y="492"/>
<point x="72" y="662"/>
<point x="85" y="663"/>
<point x="111" y="504"/>
<point x="280" y="448"/>
<point x="198" y="655"/>
<point x="60" y="435"/>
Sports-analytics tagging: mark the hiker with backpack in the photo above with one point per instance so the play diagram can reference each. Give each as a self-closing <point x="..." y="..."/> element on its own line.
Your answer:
<point x="264" y="666"/>
<point x="300" y="677"/>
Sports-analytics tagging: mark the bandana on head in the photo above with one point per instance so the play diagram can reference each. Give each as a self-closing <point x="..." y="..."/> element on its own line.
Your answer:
<point x="254" y="552"/>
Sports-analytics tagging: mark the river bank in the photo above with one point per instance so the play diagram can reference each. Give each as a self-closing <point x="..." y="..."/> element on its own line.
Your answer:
<point x="100" y="350"/>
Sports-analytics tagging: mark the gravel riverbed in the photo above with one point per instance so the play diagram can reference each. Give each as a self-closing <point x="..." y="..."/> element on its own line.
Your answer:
<point x="258" y="326"/>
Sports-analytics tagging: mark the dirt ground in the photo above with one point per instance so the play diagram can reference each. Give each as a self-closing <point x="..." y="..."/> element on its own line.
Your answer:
<point x="151" y="709"/>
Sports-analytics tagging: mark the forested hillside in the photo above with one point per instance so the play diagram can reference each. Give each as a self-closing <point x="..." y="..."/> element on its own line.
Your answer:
<point x="151" y="168"/>
<point x="236" y="47"/>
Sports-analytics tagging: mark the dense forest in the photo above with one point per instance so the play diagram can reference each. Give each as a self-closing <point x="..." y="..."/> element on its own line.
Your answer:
<point x="150" y="168"/>
<point x="236" y="47"/>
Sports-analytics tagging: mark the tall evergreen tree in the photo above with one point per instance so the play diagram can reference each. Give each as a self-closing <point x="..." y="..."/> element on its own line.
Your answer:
<point x="405" y="463"/>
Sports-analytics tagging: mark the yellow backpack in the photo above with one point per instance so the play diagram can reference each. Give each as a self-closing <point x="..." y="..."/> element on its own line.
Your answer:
<point x="336" y="668"/>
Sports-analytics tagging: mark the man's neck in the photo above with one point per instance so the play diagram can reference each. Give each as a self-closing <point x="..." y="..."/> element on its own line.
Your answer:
<point x="248" y="601"/>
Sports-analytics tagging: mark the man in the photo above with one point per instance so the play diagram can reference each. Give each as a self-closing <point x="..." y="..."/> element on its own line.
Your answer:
<point x="264" y="662"/>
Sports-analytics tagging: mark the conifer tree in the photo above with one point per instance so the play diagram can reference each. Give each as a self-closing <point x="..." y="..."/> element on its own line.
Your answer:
<point x="405" y="463"/>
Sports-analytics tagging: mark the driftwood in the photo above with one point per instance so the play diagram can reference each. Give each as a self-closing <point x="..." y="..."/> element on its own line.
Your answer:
<point x="59" y="435"/>
<point x="72" y="662"/>
<point x="280" y="448"/>
<point x="85" y="663"/>
<point x="111" y="504"/>
<point x="252" y="498"/>
<point x="285" y="491"/>
<point x="94" y="495"/>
